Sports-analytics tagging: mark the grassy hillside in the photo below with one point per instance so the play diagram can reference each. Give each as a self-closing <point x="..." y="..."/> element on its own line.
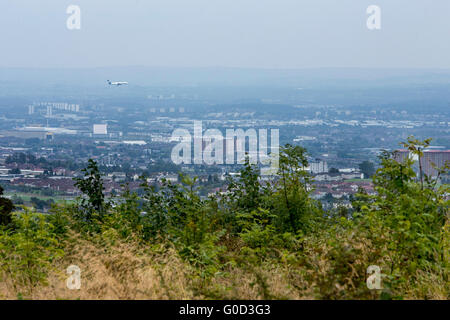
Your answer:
<point x="257" y="241"/>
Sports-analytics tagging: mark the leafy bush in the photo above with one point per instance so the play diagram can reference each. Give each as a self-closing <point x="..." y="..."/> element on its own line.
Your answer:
<point x="27" y="252"/>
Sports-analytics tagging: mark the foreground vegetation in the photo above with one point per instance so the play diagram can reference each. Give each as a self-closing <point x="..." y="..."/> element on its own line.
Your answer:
<point x="256" y="241"/>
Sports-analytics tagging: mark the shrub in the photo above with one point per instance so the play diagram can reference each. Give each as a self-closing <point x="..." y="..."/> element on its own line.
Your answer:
<point x="28" y="251"/>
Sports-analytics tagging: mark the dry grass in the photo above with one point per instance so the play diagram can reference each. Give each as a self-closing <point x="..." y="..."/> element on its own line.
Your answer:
<point x="432" y="287"/>
<point x="129" y="271"/>
<point x="123" y="271"/>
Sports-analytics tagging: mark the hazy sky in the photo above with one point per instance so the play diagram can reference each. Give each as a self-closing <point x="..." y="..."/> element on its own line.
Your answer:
<point x="225" y="33"/>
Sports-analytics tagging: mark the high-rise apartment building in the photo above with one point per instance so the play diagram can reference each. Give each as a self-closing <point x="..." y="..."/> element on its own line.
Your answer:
<point x="431" y="159"/>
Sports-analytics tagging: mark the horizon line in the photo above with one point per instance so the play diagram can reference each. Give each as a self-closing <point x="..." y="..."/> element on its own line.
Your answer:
<point x="228" y="67"/>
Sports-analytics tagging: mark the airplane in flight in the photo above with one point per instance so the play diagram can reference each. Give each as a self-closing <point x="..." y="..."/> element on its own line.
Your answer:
<point x="123" y="83"/>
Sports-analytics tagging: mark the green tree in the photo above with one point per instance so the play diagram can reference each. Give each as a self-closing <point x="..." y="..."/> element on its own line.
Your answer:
<point x="6" y="207"/>
<point x="404" y="220"/>
<point x="246" y="192"/>
<point x="367" y="168"/>
<point x="28" y="251"/>
<point x="91" y="185"/>
<point x="295" y="209"/>
<point x="333" y="171"/>
<point x="416" y="147"/>
<point x="15" y="171"/>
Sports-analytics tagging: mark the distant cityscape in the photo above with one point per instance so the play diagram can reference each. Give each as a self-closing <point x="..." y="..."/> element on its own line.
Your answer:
<point x="47" y="138"/>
